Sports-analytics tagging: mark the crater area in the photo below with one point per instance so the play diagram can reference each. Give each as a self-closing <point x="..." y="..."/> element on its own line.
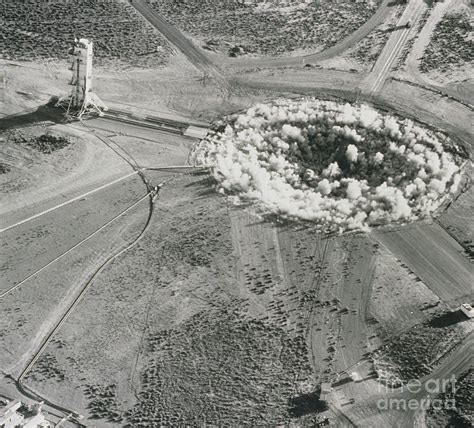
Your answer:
<point x="341" y="166"/>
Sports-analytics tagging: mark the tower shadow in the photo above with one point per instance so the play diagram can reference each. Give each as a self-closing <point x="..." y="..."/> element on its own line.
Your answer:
<point x="46" y="112"/>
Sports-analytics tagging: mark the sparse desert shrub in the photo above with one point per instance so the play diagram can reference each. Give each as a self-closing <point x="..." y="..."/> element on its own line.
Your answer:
<point x="4" y="168"/>
<point x="459" y="415"/>
<point x="43" y="30"/>
<point x="46" y="368"/>
<point x="247" y="369"/>
<point x="368" y="49"/>
<point x="269" y="28"/>
<point x="415" y="352"/>
<point x="103" y="402"/>
<point x="451" y="44"/>
<point x="46" y="143"/>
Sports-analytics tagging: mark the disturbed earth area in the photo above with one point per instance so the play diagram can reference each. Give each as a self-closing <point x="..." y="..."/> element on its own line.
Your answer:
<point x="217" y="316"/>
<point x="344" y="167"/>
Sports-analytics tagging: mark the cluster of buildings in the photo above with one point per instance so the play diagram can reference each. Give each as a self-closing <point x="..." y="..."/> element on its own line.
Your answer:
<point x="14" y="414"/>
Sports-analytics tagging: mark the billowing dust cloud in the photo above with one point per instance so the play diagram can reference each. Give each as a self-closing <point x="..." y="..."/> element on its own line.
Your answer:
<point x="341" y="166"/>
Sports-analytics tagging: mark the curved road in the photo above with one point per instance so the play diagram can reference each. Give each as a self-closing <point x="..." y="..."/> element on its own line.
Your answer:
<point x="152" y="194"/>
<point x="86" y="287"/>
<point x="454" y="363"/>
<point x="197" y="57"/>
<point x="375" y="20"/>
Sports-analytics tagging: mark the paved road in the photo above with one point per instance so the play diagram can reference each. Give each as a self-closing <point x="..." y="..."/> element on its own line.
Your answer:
<point x="177" y="39"/>
<point x="394" y="46"/>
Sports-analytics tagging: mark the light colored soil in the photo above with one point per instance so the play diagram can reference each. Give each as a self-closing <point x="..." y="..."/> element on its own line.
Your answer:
<point x="399" y="298"/>
<point x="429" y="108"/>
<point x="357" y="335"/>
<point x="34" y="307"/>
<point x="27" y="165"/>
<point x="199" y="258"/>
<point x="30" y="84"/>
<point x="457" y="79"/>
<point x="177" y="90"/>
<point x="457" y="219"/>
<point x="182" y="275"/>
<point x="71" y="170"/>
<point x="435" y="257"/>
<point x="46" y="239"/>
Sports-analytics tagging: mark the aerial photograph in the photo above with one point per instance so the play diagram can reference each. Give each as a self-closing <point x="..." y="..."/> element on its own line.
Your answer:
<point x="236" y="213"/>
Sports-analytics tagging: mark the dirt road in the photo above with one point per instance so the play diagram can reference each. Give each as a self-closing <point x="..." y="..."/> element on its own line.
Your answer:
<point x="456" y="364"/>
<point x="199" y="59"/>
<point x="62" y="204"/>
<point x="289" y="61"/>
<point x="177" y="39"/>
<point x="435" y="257"/>
<point x="390" y="405"/>
<point x="394" y="46"/>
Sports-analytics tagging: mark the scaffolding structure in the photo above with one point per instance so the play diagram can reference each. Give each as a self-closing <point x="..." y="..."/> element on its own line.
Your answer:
<point x="83" y="100"/>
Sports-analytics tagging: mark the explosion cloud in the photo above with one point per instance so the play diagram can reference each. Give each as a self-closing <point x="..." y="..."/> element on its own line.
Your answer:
<point x="341" y="166"/>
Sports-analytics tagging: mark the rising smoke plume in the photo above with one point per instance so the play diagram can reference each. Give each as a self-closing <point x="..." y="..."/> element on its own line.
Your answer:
<point x="341" y="166"/>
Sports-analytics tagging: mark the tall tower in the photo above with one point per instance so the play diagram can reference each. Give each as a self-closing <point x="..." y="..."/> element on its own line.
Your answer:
<point x="81" y="59"/>
<point x="82" y="99"/>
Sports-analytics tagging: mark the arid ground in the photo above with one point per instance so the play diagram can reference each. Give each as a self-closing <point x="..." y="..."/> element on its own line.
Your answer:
<point x="136" y="306"/>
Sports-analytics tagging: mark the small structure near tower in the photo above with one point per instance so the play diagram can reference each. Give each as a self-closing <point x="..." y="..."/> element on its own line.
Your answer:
<point x="82" y="100"/>
<point x="14" y="414"/>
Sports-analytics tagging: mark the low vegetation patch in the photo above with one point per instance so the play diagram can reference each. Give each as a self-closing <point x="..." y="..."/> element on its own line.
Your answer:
<point x="44" y="30"/>
<point x="456" y="408"/>
<point x="265" y="27"/>
<point x="368" y="50"/>
<point x="417" y="351"/>
<point x="217" y="369"/>
<point x="103" y="402"/>
<point x="46" y="143"/>
<point x="46" y="368"/>
<point x="4" y="168"/>
<point x="451" y="44"/>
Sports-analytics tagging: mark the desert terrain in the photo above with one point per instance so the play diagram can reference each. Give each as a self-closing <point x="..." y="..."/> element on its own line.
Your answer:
<point x="136" y="291"/>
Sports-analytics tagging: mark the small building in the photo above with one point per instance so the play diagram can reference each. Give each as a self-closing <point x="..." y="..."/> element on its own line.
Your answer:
<point x="467" y="309"/>
<point x="15" y="415"/>
<point x="9" y="416"/>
